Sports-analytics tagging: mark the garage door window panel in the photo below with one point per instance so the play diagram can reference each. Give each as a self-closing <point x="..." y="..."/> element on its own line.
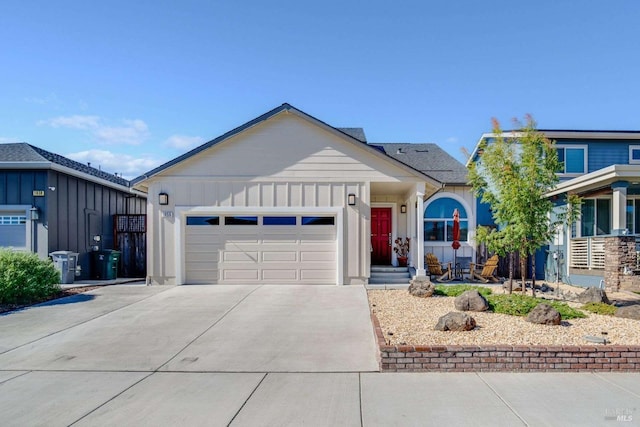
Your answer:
<point x="203" y="220"/>
<point x="240" y="220"/>
<point x="318" y="220"/>
<point x="279" y="220"/>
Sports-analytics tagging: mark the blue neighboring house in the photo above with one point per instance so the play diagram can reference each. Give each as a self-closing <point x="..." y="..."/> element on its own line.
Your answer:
<point x="602" y="167"/>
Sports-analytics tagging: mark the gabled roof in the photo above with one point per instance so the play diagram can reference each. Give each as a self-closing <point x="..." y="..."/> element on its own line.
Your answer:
<point x="429" y="159"/>
<point x="23" y="155"/>
<point x="354" y="134"/>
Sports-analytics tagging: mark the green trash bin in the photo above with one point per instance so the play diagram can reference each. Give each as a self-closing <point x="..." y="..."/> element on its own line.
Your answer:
<point x="104" y="264"/>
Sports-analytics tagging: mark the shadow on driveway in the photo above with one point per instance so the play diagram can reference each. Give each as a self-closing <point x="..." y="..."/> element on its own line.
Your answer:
<point x="72" y="299"/>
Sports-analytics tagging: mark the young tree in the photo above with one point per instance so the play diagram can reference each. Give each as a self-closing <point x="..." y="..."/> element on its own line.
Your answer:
<point x="512" y="174"/>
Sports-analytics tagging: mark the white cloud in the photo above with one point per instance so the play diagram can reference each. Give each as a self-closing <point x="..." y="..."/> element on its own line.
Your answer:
<point x="131" y="132"/>
<point x="183" y="142"/>
<point x="134" y="132"/>
<point x="123" y="164"/>
<point x="72" y="122"/>
<point x="452" y="139"/>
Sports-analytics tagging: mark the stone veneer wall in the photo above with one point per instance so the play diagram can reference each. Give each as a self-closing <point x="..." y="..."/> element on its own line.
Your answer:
<point x="620" y="252"/>
<point x="453" y="358"/>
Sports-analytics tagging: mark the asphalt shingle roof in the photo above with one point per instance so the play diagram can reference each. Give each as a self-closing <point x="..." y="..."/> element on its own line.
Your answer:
<point x="429" y="159"/>
<point x="357" y="133"/>
<point x="23" y="152"/>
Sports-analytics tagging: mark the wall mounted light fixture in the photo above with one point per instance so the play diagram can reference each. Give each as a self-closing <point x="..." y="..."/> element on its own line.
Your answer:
<point x="163" y="198"/>
<point x="34" y="214"/>
<point x="403" y="208"/>
<point x="351" y="199"/>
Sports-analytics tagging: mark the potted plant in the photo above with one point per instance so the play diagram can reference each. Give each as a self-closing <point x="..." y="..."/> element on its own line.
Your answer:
<point x="402" y="250"/>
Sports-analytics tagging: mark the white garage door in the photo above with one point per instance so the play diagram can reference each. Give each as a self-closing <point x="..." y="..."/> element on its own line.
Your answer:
<point x="260" y="249"/>
<point x="13" y="230"/>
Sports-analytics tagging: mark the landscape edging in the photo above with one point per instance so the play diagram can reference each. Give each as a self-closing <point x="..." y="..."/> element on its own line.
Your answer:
<point x="504" y="358"/>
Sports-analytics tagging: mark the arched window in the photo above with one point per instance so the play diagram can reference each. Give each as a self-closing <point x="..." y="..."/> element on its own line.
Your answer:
<point x="438" y="220"/>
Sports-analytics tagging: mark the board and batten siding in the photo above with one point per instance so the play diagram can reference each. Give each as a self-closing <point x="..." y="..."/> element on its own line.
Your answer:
<point x="78" y="209"/>
<point x="286" y="162"/>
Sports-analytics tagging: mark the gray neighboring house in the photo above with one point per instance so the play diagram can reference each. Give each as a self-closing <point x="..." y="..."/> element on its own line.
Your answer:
<point x="49" y="202"/>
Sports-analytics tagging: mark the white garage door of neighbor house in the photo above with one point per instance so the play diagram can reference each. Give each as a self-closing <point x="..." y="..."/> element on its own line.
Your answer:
<point x="260" y="249"/>
<point x="13" y="230"/>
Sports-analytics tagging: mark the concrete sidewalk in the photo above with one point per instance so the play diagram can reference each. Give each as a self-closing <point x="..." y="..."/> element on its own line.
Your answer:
<point x="317" y="399"/>
<point x="259" y="356"/>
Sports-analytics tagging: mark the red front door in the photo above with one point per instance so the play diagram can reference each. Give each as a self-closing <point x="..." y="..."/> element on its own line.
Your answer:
<point x="381" y="236"/>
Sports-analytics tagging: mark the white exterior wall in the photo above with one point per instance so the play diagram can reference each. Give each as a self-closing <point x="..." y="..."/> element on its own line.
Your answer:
<point x="285" y="163"/>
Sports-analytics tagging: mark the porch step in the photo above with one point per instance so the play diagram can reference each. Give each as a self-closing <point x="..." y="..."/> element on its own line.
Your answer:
<point x="388" y="269"/>
<point x="389" y="275"/>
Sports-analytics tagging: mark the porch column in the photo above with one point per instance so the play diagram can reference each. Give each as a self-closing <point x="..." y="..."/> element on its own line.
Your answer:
<point x="619" y="223"/>
<point x="420" y="271"/>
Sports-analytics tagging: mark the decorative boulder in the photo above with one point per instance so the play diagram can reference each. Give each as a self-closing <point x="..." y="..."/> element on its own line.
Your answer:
<point x="455" y="321"/>
<point x="544" y="314"/>
<point x="471" y="301"/>
<point x="629" y="312"/>
<point x="593" y="295"/>
<point x="421" y="287"/>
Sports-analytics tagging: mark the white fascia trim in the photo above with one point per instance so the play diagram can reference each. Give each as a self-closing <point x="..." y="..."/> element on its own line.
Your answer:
<point x="181" y="213"/>
<point x="486" y="136"/>
<point x="609" y="173"/>
<point x="591" y="135"/>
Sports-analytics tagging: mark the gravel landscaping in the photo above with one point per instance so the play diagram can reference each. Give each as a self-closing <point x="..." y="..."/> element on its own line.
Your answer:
<point x="409" y="320"/>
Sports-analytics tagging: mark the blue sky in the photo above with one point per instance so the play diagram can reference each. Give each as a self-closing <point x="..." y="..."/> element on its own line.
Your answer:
<point x="130" y="84"/>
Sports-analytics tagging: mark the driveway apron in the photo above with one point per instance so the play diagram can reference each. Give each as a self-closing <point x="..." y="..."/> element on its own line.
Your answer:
<point x="297" y="328"/>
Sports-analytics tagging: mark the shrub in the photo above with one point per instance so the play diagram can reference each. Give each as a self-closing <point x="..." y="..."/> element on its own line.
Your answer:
<point x="513" y="304"/>
<point x="25" y="278"/>
<point x="600" y="308"/>
<point x="456" y="290"/>
<point x="567" y="312"/>
<point x="521" y="305"/>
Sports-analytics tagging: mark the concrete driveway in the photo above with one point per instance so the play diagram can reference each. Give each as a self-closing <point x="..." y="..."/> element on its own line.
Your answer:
<point x="195" y="328"/>
<point x="258" y="356"/>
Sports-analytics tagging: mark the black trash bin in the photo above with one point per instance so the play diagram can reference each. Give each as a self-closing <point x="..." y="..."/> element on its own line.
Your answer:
<point x="104" y="264"/>
<point x="65" y="262"/>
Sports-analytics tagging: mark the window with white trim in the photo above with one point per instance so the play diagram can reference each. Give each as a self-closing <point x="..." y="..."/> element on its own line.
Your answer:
<point x="573" y="159"/>
<point x="438" y="220"/>
<point x="634" y="154"/>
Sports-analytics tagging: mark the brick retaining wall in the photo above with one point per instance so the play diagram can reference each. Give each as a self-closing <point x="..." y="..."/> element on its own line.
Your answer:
<point x="456" y="358"/>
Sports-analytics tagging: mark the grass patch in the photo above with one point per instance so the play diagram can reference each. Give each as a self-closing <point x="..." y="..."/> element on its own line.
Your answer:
<point x="456" y="290"/>
<point x="521" y="305"/>
<point x="600" y="308"/>
<point x="513" y="304"/>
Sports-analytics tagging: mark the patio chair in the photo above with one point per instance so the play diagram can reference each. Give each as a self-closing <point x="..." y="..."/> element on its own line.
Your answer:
<point x="441" y="270"/>
<point x="485" y="272"/>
